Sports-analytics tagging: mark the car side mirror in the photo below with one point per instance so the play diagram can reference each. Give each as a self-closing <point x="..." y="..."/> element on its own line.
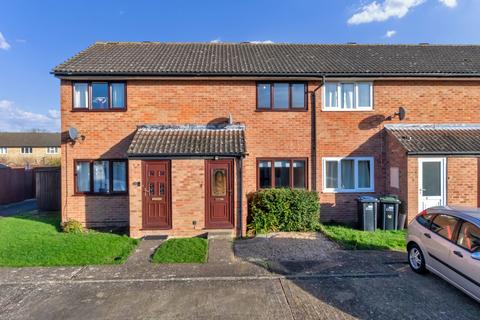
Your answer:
<point x="476" y="255"/>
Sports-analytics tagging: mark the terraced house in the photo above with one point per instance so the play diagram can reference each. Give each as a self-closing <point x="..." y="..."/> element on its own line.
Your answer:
<point x="172" y="137"/>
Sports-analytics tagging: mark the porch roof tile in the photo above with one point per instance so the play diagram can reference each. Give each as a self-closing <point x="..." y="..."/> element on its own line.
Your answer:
<point x="438" y="139"/>
<point x="188" y="141"/>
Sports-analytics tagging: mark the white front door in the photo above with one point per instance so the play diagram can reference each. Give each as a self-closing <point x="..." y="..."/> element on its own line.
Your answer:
<point x="431" y="182"/>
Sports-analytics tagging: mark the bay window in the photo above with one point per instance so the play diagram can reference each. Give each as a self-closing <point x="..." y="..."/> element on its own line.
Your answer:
<point x="282" y="96"/>
<point x="282" y="173"/>
<point x="351" y="174"/>
<point x="99" y="96"/>
<point x="100" y="176"/>
<point x="347" y="96"/>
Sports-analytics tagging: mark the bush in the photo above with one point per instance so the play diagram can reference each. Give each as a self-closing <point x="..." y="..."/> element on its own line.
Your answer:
<point x="73" y="226"/>
<point x="274" y="210"/>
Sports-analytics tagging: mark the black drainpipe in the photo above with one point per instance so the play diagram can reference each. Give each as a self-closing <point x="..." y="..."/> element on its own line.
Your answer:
<point x="314" y="134"/>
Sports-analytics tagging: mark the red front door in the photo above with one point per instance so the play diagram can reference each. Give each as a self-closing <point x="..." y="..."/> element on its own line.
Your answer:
<point x="157" y="213"/>
<point x="219" y="194"/>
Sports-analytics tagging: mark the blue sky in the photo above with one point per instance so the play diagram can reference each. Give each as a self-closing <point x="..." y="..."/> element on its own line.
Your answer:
<point x="37" y="35"/>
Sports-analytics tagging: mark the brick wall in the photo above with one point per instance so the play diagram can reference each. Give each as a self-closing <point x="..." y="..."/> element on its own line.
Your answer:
<point x="268" y="134"/>
<point x="462" y="181"/>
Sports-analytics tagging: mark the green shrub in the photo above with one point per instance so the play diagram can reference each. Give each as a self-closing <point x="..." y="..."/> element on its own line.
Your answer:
<point x="73" y="226"/>
<point x="273" y="210"/>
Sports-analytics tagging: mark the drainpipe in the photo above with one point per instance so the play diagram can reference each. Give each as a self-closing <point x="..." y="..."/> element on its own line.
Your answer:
<point x="314" y="134"/>
<point x="240" y="195"/>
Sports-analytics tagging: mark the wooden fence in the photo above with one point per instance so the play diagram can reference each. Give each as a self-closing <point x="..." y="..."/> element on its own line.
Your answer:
<point x="16" y="184"/>
<point x="48" y="188"/>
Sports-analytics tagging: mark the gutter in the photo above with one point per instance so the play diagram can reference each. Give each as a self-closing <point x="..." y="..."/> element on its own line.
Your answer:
<point x="256" y="74"/>
<point x="443" y="153"/>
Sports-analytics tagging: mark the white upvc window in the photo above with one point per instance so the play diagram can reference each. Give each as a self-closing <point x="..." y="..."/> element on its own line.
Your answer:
<point x="52" y="150"/>
<point x="3" y="150"/>
<point x="347" y="96"/>
<point x="27" y="150"/>
<point x="349" y="174"/>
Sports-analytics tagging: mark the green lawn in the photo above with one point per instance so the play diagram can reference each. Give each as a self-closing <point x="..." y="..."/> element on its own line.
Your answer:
<point x="182" y="250"/>
<point x="363" y="240"/>
<point x="36" y="240"/>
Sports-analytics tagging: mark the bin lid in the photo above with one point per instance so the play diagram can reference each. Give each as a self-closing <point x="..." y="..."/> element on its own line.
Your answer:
<point x="390" y="199"/>
<point x="367" y="199"/>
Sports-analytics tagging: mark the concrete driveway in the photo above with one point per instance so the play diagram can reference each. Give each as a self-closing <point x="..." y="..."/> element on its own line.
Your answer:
<point x="261" y="281"/>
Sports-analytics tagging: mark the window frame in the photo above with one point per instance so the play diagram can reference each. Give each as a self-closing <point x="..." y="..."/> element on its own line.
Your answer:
<point x="2" y="149"/>
<point x="290" y="99"/>
<point x="355" y="96"/>
<point x="89" y="100"/>
<point x="339" y="174"/>
<point x="272" y="171"/>
<point x="91" y="182"/>
<point x="22" y="150"/>
<point x="57" y="149"/>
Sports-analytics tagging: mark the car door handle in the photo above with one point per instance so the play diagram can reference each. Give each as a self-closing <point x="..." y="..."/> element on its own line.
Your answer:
<point x="458" y="253"/>
<point x="427" y="235"/>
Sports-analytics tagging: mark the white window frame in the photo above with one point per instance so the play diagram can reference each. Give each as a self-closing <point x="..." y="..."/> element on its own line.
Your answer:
<point x="49" y="150"/>
<point x="3" y="150"/>
<point x="23" y="149"/>
<point x="339" y="174"/>
<point x="356" y="107"/>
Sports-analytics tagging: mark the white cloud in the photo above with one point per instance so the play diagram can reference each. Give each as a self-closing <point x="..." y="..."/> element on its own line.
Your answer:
<point x="15" y="118"/>
<point x="382" y="11"/>
<point x="262" y="42"/>
<point x="390" y="33"/>
<point x="449" y="3"/>
<point x="218" y="40"/>
<point x="3" y="43"/>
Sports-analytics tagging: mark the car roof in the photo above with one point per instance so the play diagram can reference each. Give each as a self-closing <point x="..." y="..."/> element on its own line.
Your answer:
<point x="466" y="213"/>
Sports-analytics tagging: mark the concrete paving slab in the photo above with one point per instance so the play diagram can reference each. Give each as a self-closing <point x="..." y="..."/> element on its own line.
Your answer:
<point x="18" y="207"/>
<point x="179" y="300"/>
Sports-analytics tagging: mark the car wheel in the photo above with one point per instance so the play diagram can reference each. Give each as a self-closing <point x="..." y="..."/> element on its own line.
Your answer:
<point x="416" y="259"/>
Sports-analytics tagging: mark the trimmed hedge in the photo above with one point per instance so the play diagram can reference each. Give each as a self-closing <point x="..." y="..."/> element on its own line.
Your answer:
<point x="273" y="210"/>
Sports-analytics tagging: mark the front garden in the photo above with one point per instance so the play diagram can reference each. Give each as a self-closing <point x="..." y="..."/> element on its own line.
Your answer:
<point x="287" y="210"/>
<point x="182" y="250"/>
<point x="36" y="239"/>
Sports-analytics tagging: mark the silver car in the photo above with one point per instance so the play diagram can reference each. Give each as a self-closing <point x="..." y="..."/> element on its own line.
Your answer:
<point x="446" y="241"/>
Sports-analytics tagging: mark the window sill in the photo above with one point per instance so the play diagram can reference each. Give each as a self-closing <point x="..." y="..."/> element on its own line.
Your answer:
<point x="99" y="110"/>
<point x="280" y="110"/>
<point x="79" y="194"/>
<point x="348" y="191"/>
<point x="347" y="110"/>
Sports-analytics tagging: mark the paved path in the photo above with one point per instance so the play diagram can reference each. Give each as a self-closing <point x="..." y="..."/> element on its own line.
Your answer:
<point x="18" y="207"/>
<point x="270" y="278"/>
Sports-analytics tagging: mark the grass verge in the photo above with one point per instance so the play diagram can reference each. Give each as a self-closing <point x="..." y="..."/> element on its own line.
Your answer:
<point x="363" y="240"/>
<point x="32" y="240"/>
<point x="182" y="250"/>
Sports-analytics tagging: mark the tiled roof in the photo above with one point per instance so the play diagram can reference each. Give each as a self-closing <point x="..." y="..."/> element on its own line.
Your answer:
<point x="429" y="139"/>
<point x="249" y="59"/>
<point x="188" y="140"/>
<point x="29" y="139"/>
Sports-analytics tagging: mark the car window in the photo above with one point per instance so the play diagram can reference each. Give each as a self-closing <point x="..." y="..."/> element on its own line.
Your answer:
<point x="425" y="219"/>
<point x="444" y="225"/>
<point x="469" y="237"/>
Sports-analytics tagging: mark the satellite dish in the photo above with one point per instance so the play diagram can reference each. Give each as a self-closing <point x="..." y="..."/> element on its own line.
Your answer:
<point x="72" y="134"/>
<point x="402" y="113"/>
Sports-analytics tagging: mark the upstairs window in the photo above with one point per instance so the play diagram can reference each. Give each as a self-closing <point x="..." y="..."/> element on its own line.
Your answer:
<point x="99" y="96"/>
<point x="281" y="96"/>
<point x="27" y="150"/>
<point x="347" y="96"/>
<point x="52" y="150"/>
<point x="3" y="150"/>
<point x="348" y="174"/>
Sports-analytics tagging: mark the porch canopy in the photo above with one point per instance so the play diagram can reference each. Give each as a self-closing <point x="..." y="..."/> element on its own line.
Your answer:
<point x="437" y="139"/>
<point x="227" y="140"/>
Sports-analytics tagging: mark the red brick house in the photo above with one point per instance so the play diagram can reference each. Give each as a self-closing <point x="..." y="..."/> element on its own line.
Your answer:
<point x="173" y="136"/>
